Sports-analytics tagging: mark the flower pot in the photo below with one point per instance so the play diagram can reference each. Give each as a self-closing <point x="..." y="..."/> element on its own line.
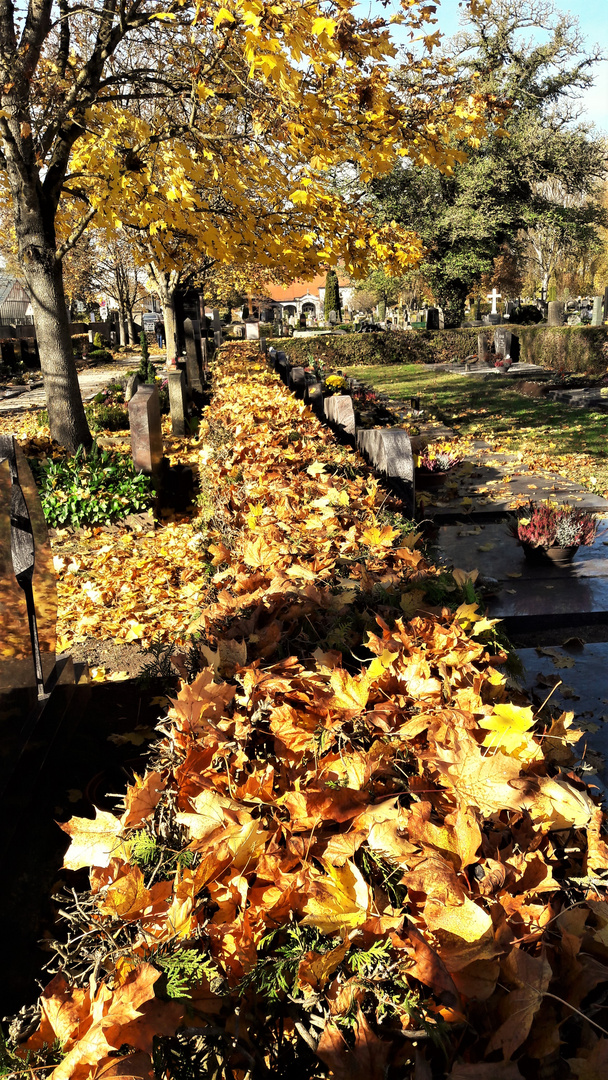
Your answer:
<point x="555" y="555"/>
<point x="427" y="480"/>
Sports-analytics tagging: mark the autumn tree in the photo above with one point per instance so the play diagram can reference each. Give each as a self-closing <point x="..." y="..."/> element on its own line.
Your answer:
<point x="504" y="189"/>
<point x="268" y="93"/>
<point x="118" y="276"/>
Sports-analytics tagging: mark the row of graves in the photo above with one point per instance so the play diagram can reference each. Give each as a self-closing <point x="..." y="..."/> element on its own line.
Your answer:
<point x="56" y="724"/>
<point x="555" y="609"/>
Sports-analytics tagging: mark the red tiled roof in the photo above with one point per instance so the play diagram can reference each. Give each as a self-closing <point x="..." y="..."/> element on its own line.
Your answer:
<point x="284" y="293"/>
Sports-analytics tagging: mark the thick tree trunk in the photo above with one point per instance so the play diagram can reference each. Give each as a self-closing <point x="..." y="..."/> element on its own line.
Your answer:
<point x="44" y="278"/>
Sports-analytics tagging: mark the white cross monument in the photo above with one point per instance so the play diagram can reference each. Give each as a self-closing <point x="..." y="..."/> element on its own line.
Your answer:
<point x="494" y="296"/>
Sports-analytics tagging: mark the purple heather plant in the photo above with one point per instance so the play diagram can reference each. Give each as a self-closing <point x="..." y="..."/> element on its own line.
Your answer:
<point x="438" y="462"/>
<point x="548" y="524"/>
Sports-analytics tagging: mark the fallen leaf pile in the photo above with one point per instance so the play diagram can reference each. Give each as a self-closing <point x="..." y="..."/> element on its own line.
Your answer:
<point x="361" y="861"/>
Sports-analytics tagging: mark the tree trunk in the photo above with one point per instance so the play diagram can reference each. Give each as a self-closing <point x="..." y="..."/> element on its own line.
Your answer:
<point x="133" y="336"/>
<point x="122" y="327"/>
<point x="44" y="278"/>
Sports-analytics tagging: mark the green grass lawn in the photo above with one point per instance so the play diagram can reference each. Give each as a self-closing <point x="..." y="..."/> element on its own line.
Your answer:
<point x="571" y="441"/>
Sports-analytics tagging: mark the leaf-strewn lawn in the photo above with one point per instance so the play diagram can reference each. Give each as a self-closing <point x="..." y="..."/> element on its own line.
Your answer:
<point x="571" y="441"/>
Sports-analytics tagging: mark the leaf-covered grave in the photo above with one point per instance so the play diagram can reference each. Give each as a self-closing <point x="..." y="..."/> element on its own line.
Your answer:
<point x="364" y="865"/>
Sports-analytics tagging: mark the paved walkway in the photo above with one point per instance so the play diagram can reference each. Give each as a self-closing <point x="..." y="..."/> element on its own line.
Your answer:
<point x="91" y="382"/>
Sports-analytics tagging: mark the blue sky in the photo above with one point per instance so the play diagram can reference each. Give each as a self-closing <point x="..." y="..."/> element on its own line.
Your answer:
<point x="593" y="19"/>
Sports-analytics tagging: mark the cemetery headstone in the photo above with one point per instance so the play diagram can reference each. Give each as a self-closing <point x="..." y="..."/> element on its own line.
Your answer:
<point x="217" y="337"/>
<point x="302" y="322"/>
<point x="389" y="450"/>
<point x="596" y="317"/>
<point x="146" y="432"/>
<point x="432" y="319"/>
<point x="555" y="313"/>
<point x="193" y="358"/>
<point x="333" y="317"/>
<point x="340" y="413"/>
<point x="506" y="343"/>
<point x="217" y="323"/>
<point x="204" y="359"/>
<point x="178" y="402"/>
<point x="133" y="384"/>
<point x="482" y="347"/>
<point x="252" y="331"/>
<point x="297" y="381"/>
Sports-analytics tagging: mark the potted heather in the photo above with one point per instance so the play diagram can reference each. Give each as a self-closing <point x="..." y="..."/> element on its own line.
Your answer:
<point x="434" y="465"/>
<point x="553" y="532"/>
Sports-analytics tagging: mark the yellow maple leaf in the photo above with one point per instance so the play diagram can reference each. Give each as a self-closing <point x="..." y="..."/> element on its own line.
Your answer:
<point x="507" y="726"/>
<point x="379" y="537"/>
<point x="94" y="841"/>
<point x="350" y="694"/>
<point x="338" y="900"/>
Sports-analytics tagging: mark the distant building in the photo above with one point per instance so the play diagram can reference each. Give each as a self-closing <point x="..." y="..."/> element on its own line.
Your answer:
<point x="15" y="307"/>
<point x="299" y="298"/>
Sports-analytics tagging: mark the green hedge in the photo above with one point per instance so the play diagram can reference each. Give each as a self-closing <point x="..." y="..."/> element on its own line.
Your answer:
<point x="581" y="349"/>
<point x="407" y="347"/>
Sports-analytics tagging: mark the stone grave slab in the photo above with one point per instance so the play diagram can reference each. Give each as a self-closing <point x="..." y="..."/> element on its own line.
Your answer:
<point x="490" y="482"/>
<point x="528" y="594"/>
<point x="585" y="398"/>
<point x="340" y="412"/>
<point x="389" y="450"/>
<point x="582" y="671"/>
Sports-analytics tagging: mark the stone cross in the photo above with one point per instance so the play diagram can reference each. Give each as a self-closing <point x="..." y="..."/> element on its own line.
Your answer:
<point x="193" y="358"/>
<point x="494" y="296"/>
<point x="178" y="402"/>
<point x="146" y="432"/>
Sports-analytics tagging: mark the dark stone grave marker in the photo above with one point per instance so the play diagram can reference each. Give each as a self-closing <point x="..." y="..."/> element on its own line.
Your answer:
<point x="193" y="357"/>
<point x="506" y="343"/>
<point x="297" y="381"/>
<point x="146" y="432"/>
